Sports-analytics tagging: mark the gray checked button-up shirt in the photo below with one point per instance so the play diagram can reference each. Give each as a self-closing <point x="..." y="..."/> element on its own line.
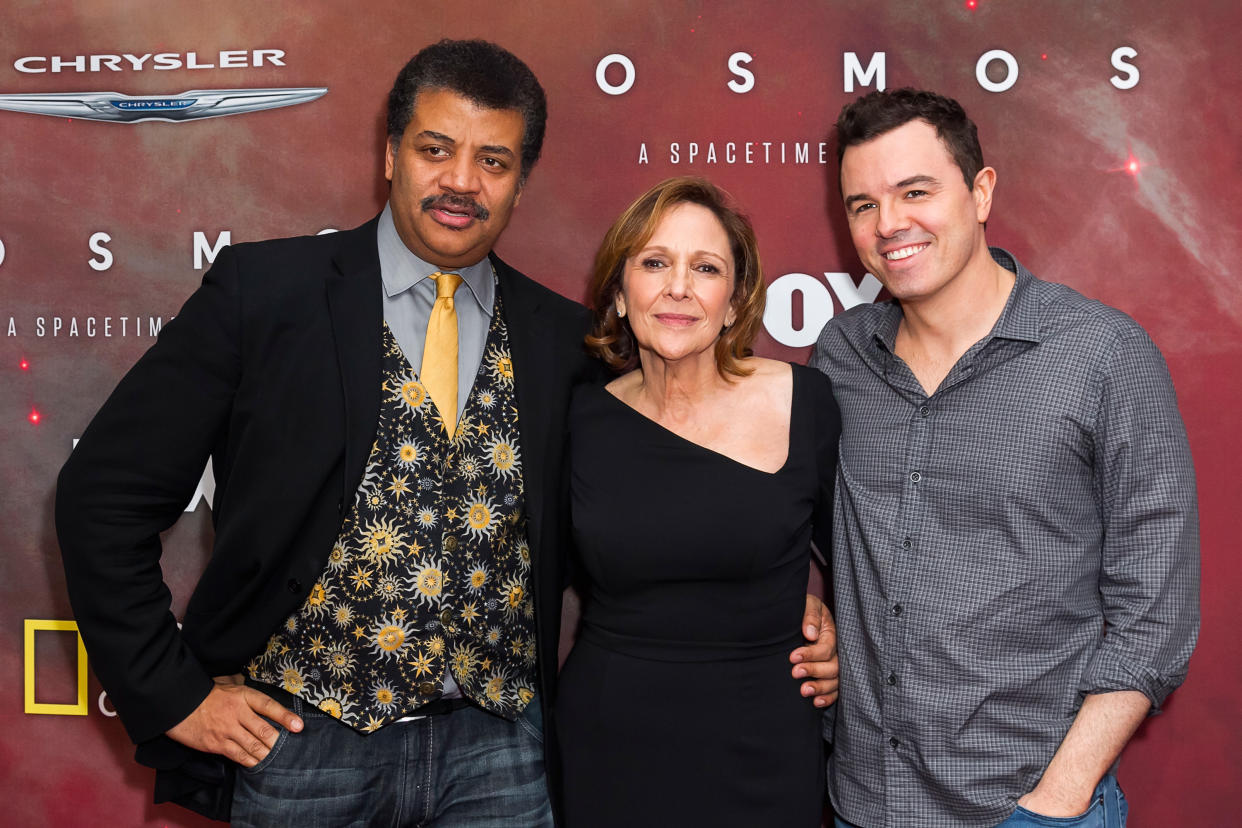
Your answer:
<point x="1023" y="536"/>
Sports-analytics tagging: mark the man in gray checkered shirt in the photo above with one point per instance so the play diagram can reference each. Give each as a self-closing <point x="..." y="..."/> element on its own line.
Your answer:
<point x="1016" y="541"/>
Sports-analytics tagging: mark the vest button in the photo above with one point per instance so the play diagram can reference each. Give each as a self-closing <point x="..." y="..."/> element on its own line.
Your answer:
<point x="426" y="688"/>
<point x="295" y="586"/>
<point x="450" y="543"/>
<point x="446" y="617"/>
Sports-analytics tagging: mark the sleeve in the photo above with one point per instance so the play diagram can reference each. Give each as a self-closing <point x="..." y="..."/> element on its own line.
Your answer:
<point x="128" y="479"/>
<point x="590" y="372"/>
<point x="826" y="417"/>
<point x="1145" y="485"/>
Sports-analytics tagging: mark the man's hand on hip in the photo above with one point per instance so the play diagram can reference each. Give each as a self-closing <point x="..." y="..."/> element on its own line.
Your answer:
<point x="818" y="661"/>
<point x="230" y="722"/>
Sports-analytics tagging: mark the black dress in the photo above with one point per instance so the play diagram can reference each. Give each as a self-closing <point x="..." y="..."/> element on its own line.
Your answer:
<point x="676" y="706"/>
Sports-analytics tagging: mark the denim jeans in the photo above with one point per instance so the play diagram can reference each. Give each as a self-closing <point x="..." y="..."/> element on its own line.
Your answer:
<point x="465" y="768"/>
<point x="1108" y="809"/>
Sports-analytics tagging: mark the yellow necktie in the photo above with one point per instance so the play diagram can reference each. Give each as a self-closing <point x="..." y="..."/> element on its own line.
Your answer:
<point x="439" y="371"/>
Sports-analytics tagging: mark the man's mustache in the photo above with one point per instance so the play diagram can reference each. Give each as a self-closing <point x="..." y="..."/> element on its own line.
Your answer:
<point x="456" y="204"/>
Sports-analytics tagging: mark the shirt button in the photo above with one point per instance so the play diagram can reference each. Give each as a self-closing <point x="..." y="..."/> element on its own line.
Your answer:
<point x="897" y="609"/>
<point x="915" y="477"/>
<point x="450" y="543"/>
<point x="446" y="617"/>
<point x="295" y="586"/>
<point x="426" y="688"/>
<point x="906" y="544"/>
<point x="890" y="679"/>
<point x="924" y="410"/>
<point x="893" y="743"/>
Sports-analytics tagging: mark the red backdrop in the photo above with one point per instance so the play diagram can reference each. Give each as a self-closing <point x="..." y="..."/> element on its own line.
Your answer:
<point x="1081" y="90"/>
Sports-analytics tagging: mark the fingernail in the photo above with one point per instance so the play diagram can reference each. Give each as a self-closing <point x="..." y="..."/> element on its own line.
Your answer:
<point x="810" y="631"/>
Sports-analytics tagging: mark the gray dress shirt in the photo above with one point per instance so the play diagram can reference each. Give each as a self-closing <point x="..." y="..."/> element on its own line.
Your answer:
<point x="409" y="293"/>
<point x="1023" y="536"/>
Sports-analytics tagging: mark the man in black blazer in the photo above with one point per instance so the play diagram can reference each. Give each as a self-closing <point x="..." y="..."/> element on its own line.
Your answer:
<point x="273" y="369"/>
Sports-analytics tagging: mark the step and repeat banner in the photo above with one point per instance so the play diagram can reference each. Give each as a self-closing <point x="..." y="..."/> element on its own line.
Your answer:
<point x="1113" y="127"/>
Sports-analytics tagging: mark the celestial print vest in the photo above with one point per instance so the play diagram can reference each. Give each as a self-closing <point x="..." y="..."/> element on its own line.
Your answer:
<point x="432" y="569"/>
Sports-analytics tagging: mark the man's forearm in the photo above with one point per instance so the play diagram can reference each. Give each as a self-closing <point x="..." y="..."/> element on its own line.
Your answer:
<point x="1104" y="724"/>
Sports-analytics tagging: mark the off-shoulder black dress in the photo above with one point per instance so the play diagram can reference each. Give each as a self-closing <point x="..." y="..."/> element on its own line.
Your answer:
<point x="676" y="706"/>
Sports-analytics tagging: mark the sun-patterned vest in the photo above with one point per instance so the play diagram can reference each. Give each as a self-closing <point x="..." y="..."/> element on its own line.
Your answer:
<point x="432" y="567"/>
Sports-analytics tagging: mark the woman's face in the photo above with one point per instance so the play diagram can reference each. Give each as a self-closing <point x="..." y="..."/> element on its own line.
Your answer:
<point x="676" y="289"/>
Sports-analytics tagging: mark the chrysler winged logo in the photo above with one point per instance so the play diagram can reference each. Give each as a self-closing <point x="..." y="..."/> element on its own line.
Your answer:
<point x="130" y="109"/>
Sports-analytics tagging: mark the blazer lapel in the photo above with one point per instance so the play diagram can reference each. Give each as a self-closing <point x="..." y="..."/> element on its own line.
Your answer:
<point x="356" y="309"/>
<point x="532" y="361"/>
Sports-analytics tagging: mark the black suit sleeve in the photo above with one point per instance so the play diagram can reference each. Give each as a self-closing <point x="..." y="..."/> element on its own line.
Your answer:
<point x="128" y="479"/>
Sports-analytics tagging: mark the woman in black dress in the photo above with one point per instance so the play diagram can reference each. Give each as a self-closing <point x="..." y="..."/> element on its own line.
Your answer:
<point x="699" y="478"/>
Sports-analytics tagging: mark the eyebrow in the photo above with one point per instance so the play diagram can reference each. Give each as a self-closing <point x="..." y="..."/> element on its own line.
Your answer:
<point x="916" y="179"/>
<point x="900" y="185"/>
<point x="496" y="149"/>
<point x="659" y="248"/>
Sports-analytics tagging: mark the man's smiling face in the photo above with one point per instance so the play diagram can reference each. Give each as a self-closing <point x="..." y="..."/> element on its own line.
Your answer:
<point x="456" y="177"/>
<point x="914" y="222"/>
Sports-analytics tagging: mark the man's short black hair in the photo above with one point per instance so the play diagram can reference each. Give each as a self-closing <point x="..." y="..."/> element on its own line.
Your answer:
<point x="481" y="72"/>
<point x="876" y="113"/>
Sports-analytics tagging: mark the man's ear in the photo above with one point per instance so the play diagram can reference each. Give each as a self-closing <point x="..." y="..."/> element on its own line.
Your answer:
<point x="985" y="184"/>
<point x="390" y="157"/>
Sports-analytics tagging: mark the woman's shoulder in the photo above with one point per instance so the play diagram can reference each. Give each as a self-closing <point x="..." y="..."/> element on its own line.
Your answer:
<point x="767" y="373"/>
<point x="762" y="366"/>
<point x="774" y="374"/>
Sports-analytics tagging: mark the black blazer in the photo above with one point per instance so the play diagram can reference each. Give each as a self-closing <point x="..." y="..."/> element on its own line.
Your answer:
<point x="272" y="368"/>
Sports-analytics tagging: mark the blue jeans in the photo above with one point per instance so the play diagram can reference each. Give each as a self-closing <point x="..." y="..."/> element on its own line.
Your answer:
<point x="1108" y="809"/>
<point x="465" y="768"/>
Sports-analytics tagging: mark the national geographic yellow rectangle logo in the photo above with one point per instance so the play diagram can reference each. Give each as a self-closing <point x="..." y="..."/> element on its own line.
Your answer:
<point x="34" y="625"/>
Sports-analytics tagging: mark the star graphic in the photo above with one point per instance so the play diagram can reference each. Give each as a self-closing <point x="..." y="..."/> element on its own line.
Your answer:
<point x="421" y="664"/>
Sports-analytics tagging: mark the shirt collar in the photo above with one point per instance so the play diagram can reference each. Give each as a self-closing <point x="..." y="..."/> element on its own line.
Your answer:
<point x="1018" y="320"/>
<point x="401" y="270"/>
